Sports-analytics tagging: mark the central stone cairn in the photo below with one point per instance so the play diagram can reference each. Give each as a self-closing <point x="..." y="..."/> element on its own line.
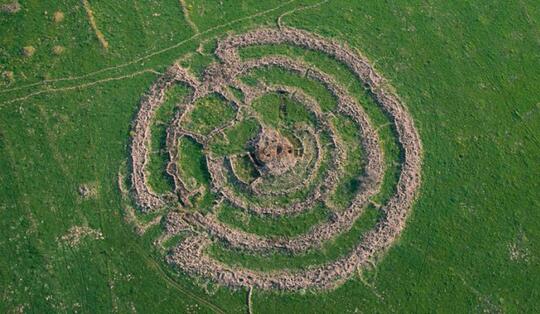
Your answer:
<point x="289" y="174"/>
<point x="274" y="152"/>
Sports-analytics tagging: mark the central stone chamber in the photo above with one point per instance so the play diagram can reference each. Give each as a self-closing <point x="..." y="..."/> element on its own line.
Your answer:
<point x="273" y="152"/>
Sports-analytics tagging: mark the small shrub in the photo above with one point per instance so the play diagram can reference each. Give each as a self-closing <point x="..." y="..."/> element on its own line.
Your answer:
<point x="58" y="16"/>
<point x="8" y="76"/>
<point x="28" y="51"/>
<point x="58" y="50"/>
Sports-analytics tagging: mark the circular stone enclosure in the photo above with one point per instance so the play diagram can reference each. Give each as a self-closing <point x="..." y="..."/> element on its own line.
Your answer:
<point x="286" y="169"/>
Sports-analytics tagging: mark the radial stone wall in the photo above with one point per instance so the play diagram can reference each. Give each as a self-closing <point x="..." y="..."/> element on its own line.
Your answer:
<point x="285" y="162"/>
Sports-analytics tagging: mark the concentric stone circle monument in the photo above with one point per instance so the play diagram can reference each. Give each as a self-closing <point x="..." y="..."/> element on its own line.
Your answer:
<point x="300" y="164"/>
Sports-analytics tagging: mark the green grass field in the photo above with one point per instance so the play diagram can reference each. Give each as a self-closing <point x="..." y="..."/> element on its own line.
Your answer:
<point x="468" y="71"/>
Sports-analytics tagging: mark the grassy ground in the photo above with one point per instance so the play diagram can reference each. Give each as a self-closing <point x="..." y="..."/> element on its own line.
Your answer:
<point x="468" y="71"/>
